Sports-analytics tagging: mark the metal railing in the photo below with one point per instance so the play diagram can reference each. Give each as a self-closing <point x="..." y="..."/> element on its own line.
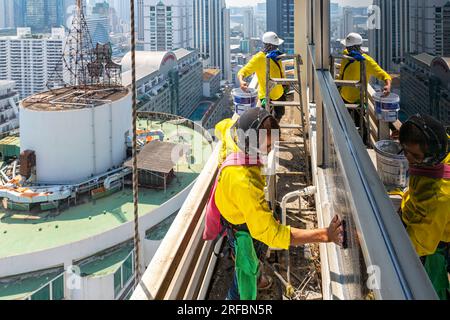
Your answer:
<point x="48" y="290"/>
<point x="123" y="277"/>
<point x="379" y="249"/>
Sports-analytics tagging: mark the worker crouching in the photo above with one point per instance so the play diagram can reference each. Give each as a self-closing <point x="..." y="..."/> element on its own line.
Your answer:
<point x="238" y="206"/>
<point x="426" y="205"/>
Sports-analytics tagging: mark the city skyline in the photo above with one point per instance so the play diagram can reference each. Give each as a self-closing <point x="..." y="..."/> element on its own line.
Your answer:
<point x="246" y="3"/>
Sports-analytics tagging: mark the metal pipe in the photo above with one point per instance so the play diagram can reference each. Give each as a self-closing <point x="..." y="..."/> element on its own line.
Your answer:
<point x="309" y="191"/>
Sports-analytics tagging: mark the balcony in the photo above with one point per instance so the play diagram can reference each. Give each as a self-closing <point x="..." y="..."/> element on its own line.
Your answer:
<point x="379" y="249"/>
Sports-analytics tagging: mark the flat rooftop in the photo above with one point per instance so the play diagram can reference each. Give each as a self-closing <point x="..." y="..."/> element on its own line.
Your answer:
<point x="208" y="74"/>
<point x="22" y="233"/>
<point x="72" y="98"/>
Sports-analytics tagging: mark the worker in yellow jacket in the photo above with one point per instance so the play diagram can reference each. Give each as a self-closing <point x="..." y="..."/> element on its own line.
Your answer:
<point x="258" y="65"/>
<point x="240" y="194"/>
<point x="426" y="205"/>
<point x="351" y="69"/>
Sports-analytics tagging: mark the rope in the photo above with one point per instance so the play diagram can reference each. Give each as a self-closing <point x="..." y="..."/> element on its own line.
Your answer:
<point x="137" y="267"/>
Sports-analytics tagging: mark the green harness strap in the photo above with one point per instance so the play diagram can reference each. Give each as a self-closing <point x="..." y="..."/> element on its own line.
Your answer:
<point x="247" y="266"/>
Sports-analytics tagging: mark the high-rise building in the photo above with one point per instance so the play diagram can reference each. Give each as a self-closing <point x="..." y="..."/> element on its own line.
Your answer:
<point x="12" y="13"/>
<point x="7" y="14"/>
<point x="280" y="19"/>
<point x="430" y="26"/>
<point x="122" y="9"/>
<point x="167" y="81"/>
<point x="98" y="23"/>
<point x="9" y="106"/>
<point x="167" y="24"/>
<point x="347" y="23"/>
<point x="249" y="23"/>
<point x="389" y="42"/>
<point x="139" y="17"/>
<point x="211" y="34"/>
<point x="425" y="86"/>
<point x="31" y="60"/>
<point x="43" y="15"/>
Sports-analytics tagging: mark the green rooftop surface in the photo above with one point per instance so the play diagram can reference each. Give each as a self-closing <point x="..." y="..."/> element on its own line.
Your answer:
<point x="22" y="288"/>
<point x="105" y="264"/>
<point x="158" y="232"/>
<point x="21" y="234"/>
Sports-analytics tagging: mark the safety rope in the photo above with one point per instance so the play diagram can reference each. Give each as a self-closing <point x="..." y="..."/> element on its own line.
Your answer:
<point x="137" y="267"/>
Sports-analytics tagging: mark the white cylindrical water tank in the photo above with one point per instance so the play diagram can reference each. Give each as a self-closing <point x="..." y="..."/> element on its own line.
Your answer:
<point x="75" y="143"/>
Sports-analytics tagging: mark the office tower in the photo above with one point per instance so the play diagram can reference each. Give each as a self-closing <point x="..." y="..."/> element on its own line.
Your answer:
<point x="122" y="9"/>
<point x="430" y="26"/>
<point x="389" y="43"/>
<point x="98" y="23"/>
<point x="425" y="86"/>
<point x="280" y="19"/>
<point x="347" y="24"/>
<point x="31" y="60"/>
<point x="249" y="23"/>
<point x="167" y="24"/>
<point x="211" y="34"/>
<point x="42" y="15"/>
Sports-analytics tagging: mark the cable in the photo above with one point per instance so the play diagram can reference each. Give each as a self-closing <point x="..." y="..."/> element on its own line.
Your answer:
<point x="137" y="267"/>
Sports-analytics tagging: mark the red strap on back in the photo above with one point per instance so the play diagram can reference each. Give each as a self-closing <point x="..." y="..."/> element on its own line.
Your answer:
<point x="441" y="171"/>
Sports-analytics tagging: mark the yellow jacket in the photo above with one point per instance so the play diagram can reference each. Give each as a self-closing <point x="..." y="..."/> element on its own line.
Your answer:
<point x="240" y="197"/>
<point x="258" y="65"/>
<point x="353" y="72"/>
<point x="426" y="212"/>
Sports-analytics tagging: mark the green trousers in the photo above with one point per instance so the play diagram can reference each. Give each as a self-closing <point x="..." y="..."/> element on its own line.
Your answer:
<point x="436" y="267"/>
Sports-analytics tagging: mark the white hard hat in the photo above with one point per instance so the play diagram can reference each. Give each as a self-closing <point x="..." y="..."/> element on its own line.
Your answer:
<point x="272" y="38"/>
<point x="353" y="39"/>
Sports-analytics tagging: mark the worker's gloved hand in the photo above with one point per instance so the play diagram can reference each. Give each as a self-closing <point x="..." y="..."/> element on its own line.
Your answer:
<point x="274" y="55"/>
<point x="263" y="103"/>
<point x="357" y="55"/>
<point x="336" y="232"/>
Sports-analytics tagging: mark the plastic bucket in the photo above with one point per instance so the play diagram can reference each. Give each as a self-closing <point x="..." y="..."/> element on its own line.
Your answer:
<point x="392" y="167"/>
<point x="387" y="108"/>
<point x="389" y="115"/>
<point x="244" y="101"/>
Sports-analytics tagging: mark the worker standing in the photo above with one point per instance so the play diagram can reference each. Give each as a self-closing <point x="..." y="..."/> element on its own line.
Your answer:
<point x="426" y="204"/>
<point x="258" y="65"/>
<point x="240" y="198"/>
<point x="351" y="70"/>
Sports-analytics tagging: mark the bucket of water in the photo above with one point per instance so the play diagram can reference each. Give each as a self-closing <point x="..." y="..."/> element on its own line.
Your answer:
<point x="392" y="165"/>
<point x="244" y="101"/>
<point x="387" y="108"/>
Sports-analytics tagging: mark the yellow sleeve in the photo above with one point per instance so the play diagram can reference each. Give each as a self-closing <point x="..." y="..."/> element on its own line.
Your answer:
<point x="373" y="69"/>
<point x="251" y="67"/>
<point x="251" y="202"/>
<point x="426" y="234"/>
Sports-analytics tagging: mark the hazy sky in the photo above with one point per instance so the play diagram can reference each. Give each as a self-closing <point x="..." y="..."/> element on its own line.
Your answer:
<point x="243" y="3"/>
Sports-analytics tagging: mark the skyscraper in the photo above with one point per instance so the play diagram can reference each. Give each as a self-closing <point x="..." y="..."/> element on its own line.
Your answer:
<point x="31" y="61"/>
<point x="249" y="23"/>
<point x="167" y="24"/>
<point x="211" y="34"/>
<point x="98" y="23"/>
<point x="430" y="27"/>
<point x="280" y="19"/>
<point x="390" y="43"/>
<point x="425" y="86"/>
<point x="43" y="15"/>
<point x="347" y="24"/>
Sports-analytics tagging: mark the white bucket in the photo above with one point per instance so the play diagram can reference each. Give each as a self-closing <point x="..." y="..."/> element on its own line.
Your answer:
<point x="244" y="101"/>
<point x="387" y="108"/>
<point x="393" y="168"/>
